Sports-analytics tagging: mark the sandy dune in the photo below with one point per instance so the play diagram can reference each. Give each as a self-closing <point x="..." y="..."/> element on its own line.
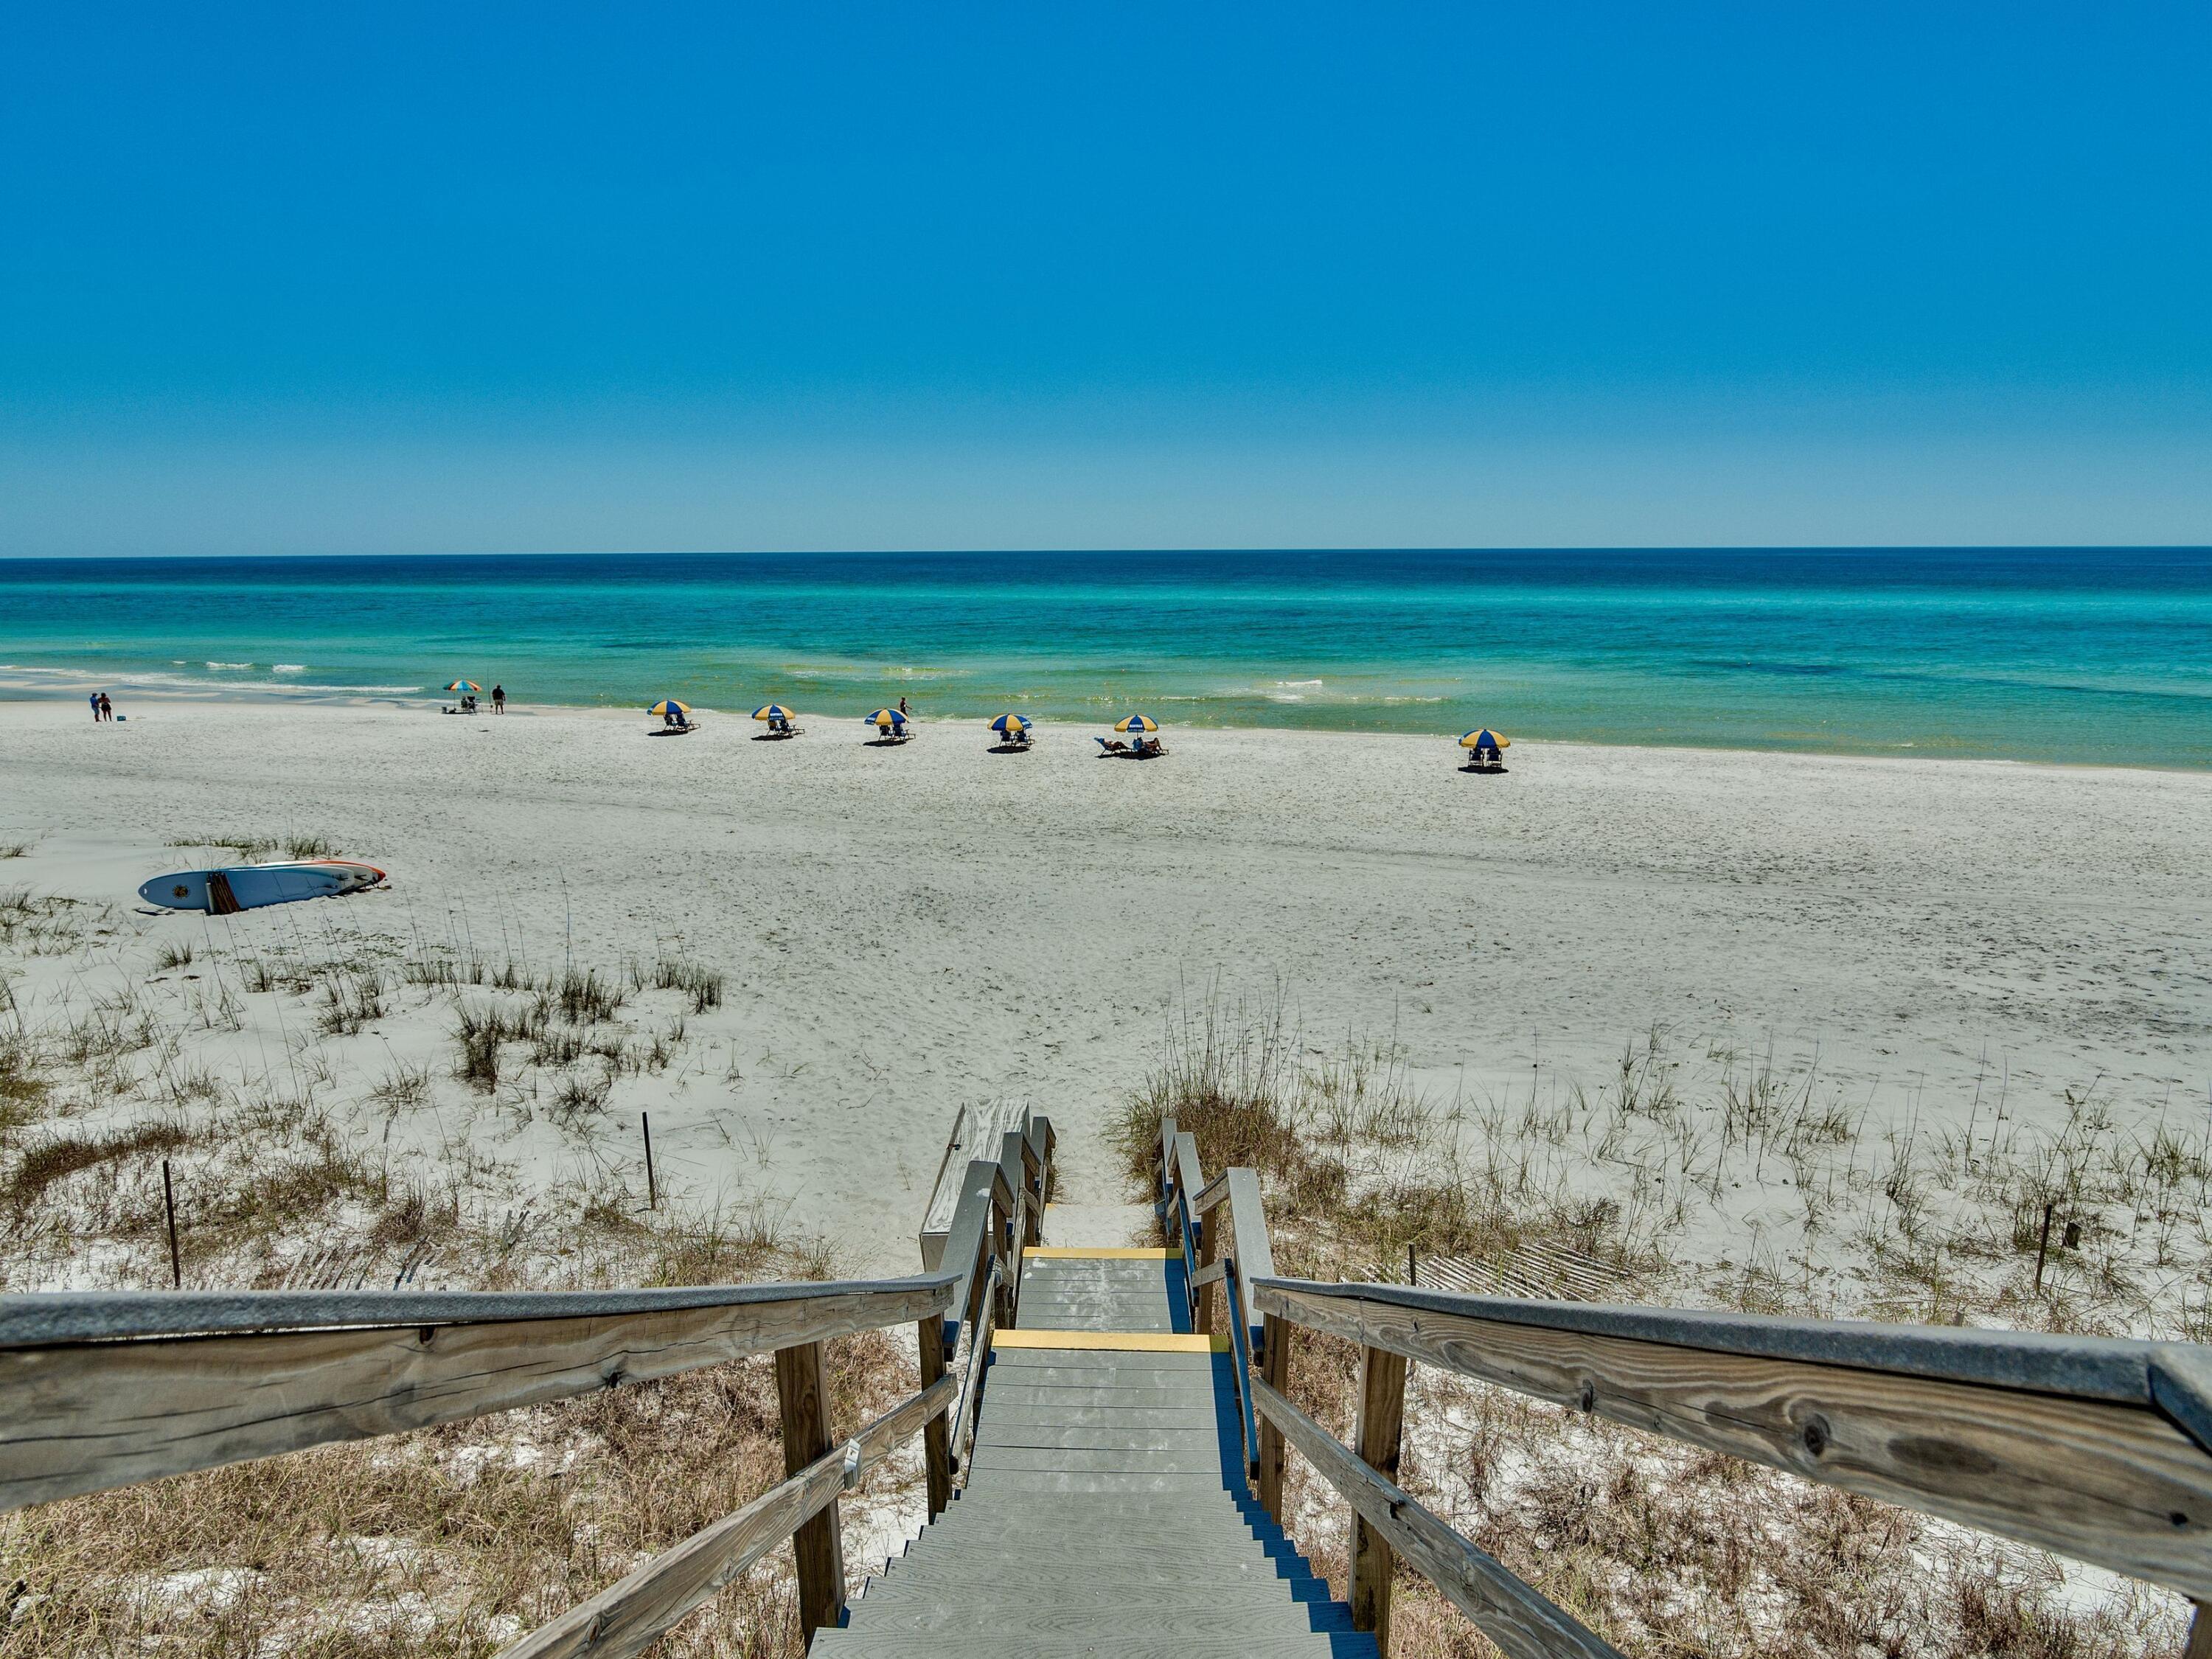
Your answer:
<point x="905" y="929"/>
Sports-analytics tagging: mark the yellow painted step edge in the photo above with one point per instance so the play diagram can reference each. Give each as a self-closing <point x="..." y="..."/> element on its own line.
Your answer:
<point x="1075" y="1253"/>
<point x="1116" y="1342"/>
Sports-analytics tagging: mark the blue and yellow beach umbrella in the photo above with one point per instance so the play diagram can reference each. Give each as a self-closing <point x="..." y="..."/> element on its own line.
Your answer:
<point x="1485" y="739"/>
<point x="887" y="720"/>
<point x="464" y="685"/>
<point x="1137" y="723"/>
<point x="771" y="711"/>
<point x="668" y="706"/>
<point x="1011" y="726"/>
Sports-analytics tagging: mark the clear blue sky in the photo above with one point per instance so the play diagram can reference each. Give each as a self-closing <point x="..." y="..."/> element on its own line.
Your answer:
<point x="469" y="277"/>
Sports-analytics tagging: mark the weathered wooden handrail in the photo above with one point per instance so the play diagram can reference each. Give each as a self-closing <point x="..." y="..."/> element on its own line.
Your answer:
<point x="1520" y="1619"/>
<point x="1191" y="1218"/>
<point x="978" y="1226"/>
<point x="627" y="1617"/>
<point x="970" y="1407"/>
<point x="1198" y="1226"/>
<point x="1240" y="1342"/>
<point x="105" y="1389"/>
<point x="1252" y="1248"/>
<point x="2093" y="1448"/>
<point x="1521" y="1622"/>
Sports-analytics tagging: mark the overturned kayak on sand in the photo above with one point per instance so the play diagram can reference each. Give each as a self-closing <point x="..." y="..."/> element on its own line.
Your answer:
<point x="250" y="886"/>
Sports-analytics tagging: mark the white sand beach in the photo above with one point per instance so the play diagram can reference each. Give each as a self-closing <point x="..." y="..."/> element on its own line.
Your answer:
<point x="904" y="930"/>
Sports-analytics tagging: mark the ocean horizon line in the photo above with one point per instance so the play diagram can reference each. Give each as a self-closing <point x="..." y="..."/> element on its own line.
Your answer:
<point x="1108" y="549"/>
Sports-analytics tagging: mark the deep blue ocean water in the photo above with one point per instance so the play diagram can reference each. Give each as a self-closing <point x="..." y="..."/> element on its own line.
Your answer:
<point x="2094" y="655"/>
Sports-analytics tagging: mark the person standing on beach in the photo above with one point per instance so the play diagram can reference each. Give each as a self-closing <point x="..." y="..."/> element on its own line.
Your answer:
<point x="902" y="705"/>
<point x="499" y="700"/>
<point x="106" y="709"/>
<point x="93" y="699"/>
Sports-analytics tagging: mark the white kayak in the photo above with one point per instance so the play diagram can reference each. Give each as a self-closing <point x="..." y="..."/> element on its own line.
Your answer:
<point x="251" y="886"/>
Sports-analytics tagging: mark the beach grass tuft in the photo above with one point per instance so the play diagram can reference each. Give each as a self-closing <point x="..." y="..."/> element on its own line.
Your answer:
<point x="294" y="844"/>
<point x="56" y="1157"/>
<point x="703" y="985"/>
<point x="579" y="998"/>
<point x="351" y="1003"/>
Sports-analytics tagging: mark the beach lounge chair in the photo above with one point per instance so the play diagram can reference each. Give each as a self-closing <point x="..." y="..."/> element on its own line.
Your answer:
<point x="1113" y="746"/>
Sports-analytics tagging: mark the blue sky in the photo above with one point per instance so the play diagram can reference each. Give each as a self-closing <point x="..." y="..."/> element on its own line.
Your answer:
<point x="326" y="279"/>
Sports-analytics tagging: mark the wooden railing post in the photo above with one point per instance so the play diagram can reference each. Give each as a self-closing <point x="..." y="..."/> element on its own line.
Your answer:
<point x="1014" y="1162"/>
<point x="936" y="1437"/>
<point x="1033" y="1207"/>
<point x="1275" y="1372"/>
<point x="1209" y="1250"/>
<point x="1009" y="1262"/>
<point x="1168" y="1235"/>
<point x="1381" y="1422"/>
<point x="1042" y="1139"/>
<point x="2200" y="1633"/>
<point x="816" y="1547"/>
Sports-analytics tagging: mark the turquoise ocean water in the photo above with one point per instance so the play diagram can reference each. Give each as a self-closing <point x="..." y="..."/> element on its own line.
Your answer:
<point x="2094" y="655"/>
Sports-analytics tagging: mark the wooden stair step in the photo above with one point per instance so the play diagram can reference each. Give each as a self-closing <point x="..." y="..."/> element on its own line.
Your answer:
<point x="1166" y="1414"/>
<point x="1044" y="1617"/>
<point x="981" y="1574"/>
<point x="984" y="1559"/>
<point x="1095" y="1436"/>
<point x="1115" y="1643"/>
<point x="1031" y="1480"/>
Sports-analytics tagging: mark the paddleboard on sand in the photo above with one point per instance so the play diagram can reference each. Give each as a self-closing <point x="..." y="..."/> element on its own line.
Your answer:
<point x="251" y="886"/>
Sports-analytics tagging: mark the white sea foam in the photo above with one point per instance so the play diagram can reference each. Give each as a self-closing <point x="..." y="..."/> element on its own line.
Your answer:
<point x="23" y="677"/>
<point x="230" y="664"/>
<point x="1297" y="682"/>
<point x="287" y="668"/>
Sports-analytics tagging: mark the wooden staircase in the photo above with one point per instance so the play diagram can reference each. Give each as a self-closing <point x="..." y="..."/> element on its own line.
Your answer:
<point x="1106" y="1508"/>
<point x="1104" y="1430"/>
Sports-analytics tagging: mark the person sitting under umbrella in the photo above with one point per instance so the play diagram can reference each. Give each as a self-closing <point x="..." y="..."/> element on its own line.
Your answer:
<point x="1142" y="746"/>
<point x="778" y="719"/>
<point x="1486" y="744"/>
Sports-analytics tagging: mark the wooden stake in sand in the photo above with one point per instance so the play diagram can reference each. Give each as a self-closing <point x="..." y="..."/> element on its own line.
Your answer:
<point x="652" y="1190"/>
<point x="169" y="1204"/>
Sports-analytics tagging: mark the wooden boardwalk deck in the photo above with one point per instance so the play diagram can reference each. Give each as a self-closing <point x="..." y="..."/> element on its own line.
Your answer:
<point x="1105" y="1510"/>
